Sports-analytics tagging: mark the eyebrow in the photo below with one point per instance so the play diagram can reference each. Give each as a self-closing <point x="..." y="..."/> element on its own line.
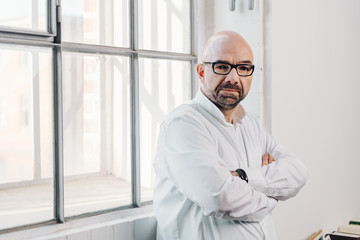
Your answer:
<point x="241" y="62"/>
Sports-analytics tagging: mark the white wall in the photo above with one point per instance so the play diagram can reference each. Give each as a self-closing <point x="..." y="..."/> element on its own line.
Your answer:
<point x="315" y="112"/>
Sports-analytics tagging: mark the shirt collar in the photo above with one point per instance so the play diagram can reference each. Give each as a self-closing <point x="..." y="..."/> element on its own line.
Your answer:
<point x="210" y="107"/>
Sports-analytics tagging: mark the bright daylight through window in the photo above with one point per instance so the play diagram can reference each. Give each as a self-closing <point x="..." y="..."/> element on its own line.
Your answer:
<point x="84" y="88"/>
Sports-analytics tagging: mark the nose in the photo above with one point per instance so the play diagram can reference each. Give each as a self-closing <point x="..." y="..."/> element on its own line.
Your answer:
<point x="233" y="77"/>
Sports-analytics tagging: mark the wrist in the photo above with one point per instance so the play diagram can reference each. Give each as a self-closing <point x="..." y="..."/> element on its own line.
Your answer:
<point x="242" y="174"/>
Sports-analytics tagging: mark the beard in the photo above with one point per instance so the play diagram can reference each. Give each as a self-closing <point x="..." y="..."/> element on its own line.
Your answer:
<point x="226" y="100"/>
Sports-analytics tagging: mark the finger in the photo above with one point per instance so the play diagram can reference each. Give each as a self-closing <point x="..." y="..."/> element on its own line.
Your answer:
<point x="234" y="173"/>
<point x="265" y="159"/>
<point x="271" y="159"/>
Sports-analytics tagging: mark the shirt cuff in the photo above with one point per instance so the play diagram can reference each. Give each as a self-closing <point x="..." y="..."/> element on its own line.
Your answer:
<point x="272" y="203"/>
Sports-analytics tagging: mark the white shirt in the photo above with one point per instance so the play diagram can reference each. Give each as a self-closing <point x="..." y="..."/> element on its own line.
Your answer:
<point x="195" y="195"/>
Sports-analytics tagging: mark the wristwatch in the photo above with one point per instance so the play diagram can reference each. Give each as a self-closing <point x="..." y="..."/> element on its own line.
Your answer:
<point x="242" y="174"/>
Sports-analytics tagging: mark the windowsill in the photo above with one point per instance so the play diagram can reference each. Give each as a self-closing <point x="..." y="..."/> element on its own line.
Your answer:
<point x="30" y="204"/>
<point x="77" y="225"/>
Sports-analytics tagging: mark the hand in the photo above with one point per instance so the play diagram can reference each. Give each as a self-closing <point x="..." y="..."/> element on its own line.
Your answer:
<point x="267" y="159"/>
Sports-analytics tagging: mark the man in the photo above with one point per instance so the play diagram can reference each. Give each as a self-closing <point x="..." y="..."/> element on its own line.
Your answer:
<point x="219" y="172"/>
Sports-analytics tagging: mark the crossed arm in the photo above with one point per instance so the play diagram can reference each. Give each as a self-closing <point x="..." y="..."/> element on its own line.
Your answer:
<point x="280" y="177"/>
<point x="192" y="163"/>
<point x="266" y="160"/>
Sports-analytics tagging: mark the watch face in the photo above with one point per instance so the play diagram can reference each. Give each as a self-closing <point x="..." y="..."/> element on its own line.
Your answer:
<point x="242" y="174"/>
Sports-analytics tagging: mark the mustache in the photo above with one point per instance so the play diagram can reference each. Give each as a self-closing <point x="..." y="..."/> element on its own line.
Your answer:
<point x="229" y="86"/>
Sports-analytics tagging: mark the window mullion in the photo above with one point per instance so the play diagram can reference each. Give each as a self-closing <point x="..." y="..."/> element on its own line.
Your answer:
<point x="193" y="27"/>
<point x="58" y="139"/>
<point x="194" y="44"/>
<point x="55" y="21"/>
<point x="135" y="130"/>
<point x="36" y="115"/>
<point x="134" y="93"/>
<point x="54" y="16"/>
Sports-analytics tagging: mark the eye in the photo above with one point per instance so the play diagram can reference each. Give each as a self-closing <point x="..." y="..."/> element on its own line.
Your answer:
<point x="222" y="66"/>
<point x="244" y="68"/>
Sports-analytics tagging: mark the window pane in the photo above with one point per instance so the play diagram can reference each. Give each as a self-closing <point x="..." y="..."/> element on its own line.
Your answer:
<point x="96" y="22"/>
<point x="96" y="105"/>
<point x="164" y="25"/>
<point x="30" y="14"/>
<point x="164" y="84"/>
<point x="26" y="135"/>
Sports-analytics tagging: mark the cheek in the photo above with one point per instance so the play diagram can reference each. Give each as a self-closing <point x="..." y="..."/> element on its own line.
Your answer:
<point x="247" y="84"/>
<point x="211" y="81"/>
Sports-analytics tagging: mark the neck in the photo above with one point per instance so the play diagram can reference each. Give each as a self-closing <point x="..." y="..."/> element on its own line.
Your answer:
<point x="228" y="112"/>
<point x="228" y="115"/>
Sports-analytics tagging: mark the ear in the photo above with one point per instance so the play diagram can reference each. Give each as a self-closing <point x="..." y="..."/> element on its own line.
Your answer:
<point x="200" y="71"/>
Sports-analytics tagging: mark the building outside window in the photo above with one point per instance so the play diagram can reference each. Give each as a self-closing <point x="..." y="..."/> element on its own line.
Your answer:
<point x="84" y="88"/>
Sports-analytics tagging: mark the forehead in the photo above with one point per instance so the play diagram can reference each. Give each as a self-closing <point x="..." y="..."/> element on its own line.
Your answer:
<point x="233" y="50"/>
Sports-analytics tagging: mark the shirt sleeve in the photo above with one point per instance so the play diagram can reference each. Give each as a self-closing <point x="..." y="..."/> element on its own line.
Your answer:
<point x="281" y="179"/>
<point x="187" y="154"/>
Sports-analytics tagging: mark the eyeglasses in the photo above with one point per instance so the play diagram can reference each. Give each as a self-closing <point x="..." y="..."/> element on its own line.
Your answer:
<point x="223" y="68"/>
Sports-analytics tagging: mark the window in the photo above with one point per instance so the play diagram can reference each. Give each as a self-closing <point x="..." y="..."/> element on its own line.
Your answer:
<point x="84" y="88"/>
<point x="26" y="149"/>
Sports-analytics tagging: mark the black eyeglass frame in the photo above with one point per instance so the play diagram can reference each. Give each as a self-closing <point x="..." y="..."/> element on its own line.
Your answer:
<point x="232" y="66"/>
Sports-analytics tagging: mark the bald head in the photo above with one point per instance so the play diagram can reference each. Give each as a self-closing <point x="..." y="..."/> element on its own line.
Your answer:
<point x="225" y="41"/>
